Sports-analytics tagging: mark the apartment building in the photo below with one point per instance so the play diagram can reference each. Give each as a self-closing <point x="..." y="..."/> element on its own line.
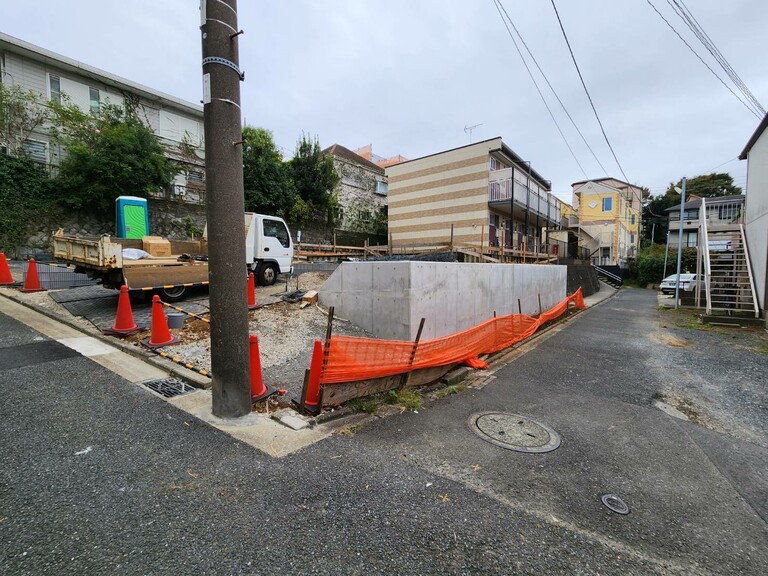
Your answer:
<point x="482" y="194"/>
<point x="609" y="212"/>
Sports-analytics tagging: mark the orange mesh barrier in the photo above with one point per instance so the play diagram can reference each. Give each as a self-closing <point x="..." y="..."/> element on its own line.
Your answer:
<point x="350" y="359"/>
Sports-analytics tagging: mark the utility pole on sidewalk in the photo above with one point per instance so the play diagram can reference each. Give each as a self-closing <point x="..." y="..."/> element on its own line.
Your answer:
<point x="680" y="242"/>
<point x="225" y="208"/>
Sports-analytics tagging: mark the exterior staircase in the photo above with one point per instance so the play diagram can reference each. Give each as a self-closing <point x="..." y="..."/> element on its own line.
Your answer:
<point x="728" y="283"/>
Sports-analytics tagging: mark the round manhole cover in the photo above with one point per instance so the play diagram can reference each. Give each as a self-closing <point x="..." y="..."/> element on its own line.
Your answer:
<point x="514" y="432"/>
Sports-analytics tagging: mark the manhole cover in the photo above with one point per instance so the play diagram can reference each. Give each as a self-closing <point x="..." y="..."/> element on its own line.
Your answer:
<point x="169" y="387"/>
<point x="514" y="432"/>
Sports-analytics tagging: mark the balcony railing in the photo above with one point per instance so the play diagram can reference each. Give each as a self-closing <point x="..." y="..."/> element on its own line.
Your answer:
<point x="181" y="193"/>
<point x="544" y="205"/>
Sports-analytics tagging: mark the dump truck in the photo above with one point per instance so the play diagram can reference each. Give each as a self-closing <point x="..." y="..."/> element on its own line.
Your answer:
<point x="172" y="268"/>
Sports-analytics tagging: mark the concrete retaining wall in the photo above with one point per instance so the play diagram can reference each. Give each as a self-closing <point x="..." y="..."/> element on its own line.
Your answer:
<point x="388" y="299"/>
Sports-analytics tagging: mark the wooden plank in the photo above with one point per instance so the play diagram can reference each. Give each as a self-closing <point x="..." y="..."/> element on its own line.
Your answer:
<point x="155" y="276"/>
<point x="335" y="394"/>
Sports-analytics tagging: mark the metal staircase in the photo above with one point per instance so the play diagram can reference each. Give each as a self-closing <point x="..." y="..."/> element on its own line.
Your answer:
<point x="728" y="282"/>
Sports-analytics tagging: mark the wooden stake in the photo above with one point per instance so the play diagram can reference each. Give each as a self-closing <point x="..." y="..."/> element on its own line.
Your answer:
<point x="519" y="307"/>
<point x="540" y="310"/>
<point x="451" y="249"/>
<point x="407" y="375"/>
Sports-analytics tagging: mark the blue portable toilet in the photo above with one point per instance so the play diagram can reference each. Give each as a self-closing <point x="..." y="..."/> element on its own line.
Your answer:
<point x="132" y="217"/>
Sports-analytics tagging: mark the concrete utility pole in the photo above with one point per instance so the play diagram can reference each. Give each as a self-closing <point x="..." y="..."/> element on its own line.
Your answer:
<point x="680" y="244"/>
<point x="225" y="209"/>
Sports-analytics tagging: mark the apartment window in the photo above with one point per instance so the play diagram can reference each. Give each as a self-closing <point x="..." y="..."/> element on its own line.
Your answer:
<point x="494" y="220"/>
<point x="93" y="97"/>
<point x="727" y="212"/>
<point x="632" y="220"/>
<point x="195" y="177"/>
<point x="381" y="188"/>
<point x="607" y="204"/>
<point x="605" y="252"/>
<point x="36" y="150"/>
<point x="632" y="237"/>
<point x="54" y="87"/>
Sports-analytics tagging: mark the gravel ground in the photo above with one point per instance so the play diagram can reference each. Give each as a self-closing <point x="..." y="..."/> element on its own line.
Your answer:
<point x="286" y="332"/>
<point x="286" y="336"/>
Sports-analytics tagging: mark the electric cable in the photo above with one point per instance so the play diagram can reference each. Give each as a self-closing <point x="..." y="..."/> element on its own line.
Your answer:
<point x="551" y="87"/>
<point x="587" y="92"/>
<point x="539" y="90"/>
<point x="701" y="59"/>
<point x="693" y="25"/>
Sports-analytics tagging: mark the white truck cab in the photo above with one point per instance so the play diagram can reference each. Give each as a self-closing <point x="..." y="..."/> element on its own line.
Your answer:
<point x="268" y="247"/>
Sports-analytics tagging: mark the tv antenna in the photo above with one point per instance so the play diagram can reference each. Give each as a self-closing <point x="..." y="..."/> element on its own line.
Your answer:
<point x="468" y="130"/>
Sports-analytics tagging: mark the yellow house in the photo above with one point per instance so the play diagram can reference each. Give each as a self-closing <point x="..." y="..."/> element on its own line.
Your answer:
<point x="609" y="212"/>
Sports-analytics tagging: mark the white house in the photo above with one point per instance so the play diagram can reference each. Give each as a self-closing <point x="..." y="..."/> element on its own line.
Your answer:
<point x="177" y="123"/>
<point x="756" y="222"/>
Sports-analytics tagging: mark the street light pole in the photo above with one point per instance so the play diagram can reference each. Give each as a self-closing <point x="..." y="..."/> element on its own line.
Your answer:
<point x="680" y="244"/>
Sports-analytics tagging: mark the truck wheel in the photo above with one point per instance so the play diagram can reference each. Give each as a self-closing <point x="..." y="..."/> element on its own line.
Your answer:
<point x="174" y="293"/>
<point x="267" y="274"/>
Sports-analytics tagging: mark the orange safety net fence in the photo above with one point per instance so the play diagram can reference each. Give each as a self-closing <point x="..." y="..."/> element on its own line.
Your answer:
<point x="350" y="359"/>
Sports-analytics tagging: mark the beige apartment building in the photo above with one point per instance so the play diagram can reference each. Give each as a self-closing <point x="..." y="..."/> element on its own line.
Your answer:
<point x="484" y="194"/>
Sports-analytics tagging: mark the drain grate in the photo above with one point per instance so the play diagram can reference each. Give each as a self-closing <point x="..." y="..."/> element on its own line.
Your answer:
<point x="514" y="432"/>
<point x="169" y="387"/>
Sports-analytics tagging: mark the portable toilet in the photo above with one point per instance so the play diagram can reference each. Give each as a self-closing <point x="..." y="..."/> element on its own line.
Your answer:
<point x="132" y="217"/>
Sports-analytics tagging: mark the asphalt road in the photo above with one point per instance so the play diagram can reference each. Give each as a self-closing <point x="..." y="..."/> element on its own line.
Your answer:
<point x="98" y="476"/>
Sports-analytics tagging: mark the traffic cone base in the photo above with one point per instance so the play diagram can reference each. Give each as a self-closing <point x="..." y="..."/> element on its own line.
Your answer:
<point x="124" y="324"/>
<point x="251" y="293"/>
<point x="259" y="390"/>
<point x="310" y="394"/>
<point x="32" y="282"/>
<point x="161" y="335"/>
<point x="6" y="277"/>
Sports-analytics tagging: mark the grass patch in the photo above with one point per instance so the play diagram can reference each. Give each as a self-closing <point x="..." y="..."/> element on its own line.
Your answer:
<point x="685" y="319"/>
<point x="408" y="399"/>
<point x="449" y="391"/>
<point x="762" y="349"/>
<point x="349" y="430"/>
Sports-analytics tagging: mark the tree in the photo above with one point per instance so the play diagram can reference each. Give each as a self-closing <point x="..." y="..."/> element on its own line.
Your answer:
<point x="314" y="176"/>
<point x="109" y="154"/>
<point x="706" y="186"/>
<point x="21" y="112"/>
<point x="267" y="179"/>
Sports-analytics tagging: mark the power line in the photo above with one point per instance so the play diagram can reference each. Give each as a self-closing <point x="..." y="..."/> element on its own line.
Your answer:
<point x="693" y="25"/>
<point x="497" y="3"/>
<point x="587" y="92"/>
<point x="702" y="60"/>
<point x="550" y="87"/>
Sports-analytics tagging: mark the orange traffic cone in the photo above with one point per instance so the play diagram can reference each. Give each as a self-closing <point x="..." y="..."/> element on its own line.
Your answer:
<point x="5" y="272"/>
<point x="311" y="393"/>
<point x="32" y="282"/>
<point x="259" y="391"/>
<point x="124" y="324"/>
<point x="251" y="293"/>
<point x="161" y="335"/>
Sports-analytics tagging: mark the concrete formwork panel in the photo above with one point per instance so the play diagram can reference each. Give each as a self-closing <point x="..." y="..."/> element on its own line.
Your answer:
<point x="389" y="298"/>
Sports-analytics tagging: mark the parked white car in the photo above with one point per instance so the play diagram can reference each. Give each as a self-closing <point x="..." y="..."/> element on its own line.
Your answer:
<point x="687" y="283"/>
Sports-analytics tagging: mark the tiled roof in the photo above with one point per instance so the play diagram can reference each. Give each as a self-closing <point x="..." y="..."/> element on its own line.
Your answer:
<point x="341" y="152"/>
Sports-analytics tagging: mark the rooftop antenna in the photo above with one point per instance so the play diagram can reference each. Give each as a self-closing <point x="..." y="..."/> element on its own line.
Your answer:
<point x="468" y="130"/>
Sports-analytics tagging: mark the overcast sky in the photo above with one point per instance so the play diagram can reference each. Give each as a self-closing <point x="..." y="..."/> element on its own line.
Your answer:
<point x="408" y="76"/>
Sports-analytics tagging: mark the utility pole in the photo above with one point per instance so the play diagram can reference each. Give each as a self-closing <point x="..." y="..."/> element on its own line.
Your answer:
<point x="680" y="244"/>
<point x="225" y="208"/>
